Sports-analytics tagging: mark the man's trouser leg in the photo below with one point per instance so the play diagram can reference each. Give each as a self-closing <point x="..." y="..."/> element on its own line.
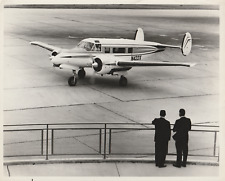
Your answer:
<point x="157" y="153"/>
<point x="164" y="151"/>
<point x="179" y="152"/>
<point x="185" y="152"/>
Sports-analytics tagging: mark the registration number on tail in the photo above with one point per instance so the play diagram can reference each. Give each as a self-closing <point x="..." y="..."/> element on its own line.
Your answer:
<point x="136" y="57"/>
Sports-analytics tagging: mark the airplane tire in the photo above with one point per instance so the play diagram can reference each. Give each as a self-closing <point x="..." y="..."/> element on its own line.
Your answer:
<point x="81" y="73"/>
<point x="72" y="81"/>
<point x="123" y="81"/>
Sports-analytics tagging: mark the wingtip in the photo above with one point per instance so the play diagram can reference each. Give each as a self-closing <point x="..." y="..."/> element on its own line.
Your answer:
<point x="32" y="42"/>
<point x="192" y="64"/>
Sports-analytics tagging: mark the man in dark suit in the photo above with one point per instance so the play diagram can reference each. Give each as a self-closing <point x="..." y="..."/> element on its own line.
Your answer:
<point x="162" y="137"/>
<point x="182" y="126"/>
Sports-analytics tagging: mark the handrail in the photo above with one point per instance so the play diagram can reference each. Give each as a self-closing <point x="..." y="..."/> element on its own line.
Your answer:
<point x="88" y="123"/>
<point x="105" y="131"/>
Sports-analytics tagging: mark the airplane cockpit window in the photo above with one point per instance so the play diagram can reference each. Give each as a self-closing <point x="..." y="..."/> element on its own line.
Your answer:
<point x="86" y="45"/>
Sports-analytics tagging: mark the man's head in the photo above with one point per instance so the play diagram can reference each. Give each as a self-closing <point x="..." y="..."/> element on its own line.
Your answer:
<point x="181" y="112"/>
<point x="162" y="113"/>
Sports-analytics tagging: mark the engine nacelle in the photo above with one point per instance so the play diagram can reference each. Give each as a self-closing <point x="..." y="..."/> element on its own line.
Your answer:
<point x="103" y="64"/>
<point x="55" y="52"/>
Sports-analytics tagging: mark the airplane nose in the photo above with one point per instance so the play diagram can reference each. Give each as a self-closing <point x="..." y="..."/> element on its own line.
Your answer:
<point x="55" y="60"/>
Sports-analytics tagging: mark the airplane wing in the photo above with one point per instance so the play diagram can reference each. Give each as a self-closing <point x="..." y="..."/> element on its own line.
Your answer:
<point x="45" y="46"/>
<point x="144" y="63"/>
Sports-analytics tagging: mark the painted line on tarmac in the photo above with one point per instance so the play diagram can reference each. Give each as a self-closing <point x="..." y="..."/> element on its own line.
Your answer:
<point x="83" y="143"/>
<point x="122" y="116"/>
<point x="200" y="46"/>
<point x="46" y="107"/>
<point x="98" y="90"/>
<point x="8" y="170"/>
<point x="159" y="98"/>
<point x="117" y="169"/>
<point x="205" y="123"/>
<point x="81" y="104"/>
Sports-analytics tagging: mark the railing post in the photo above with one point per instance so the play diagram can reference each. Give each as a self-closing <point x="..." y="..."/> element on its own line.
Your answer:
<point x="214" y="150"/>
<point x="42" y="141"/>
<point x="218" y="155"/>
<point x="110" y="140"/>
<point x="52" y="145"/>
<point x="47" y="143"/>
<point x="105" y="142"/>
<point x="100" y="141"/>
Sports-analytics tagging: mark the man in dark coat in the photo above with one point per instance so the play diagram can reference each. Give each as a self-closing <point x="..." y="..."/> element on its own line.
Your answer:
<point x="162" y="137"/>
<point x="182" y="126"/>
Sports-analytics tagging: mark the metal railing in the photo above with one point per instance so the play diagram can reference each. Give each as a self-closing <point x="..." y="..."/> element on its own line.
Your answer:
<point x="57" y="139"/>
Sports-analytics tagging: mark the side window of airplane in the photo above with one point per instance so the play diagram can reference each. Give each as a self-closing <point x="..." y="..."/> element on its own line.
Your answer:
<point x="130" y="50"/>
<point x="119" y="50"/>
<point x="107" y="50"/>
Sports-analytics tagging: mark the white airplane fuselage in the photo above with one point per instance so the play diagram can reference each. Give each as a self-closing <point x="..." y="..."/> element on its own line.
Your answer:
<point x="112" y="56"/>
<point x="128" y="50"/>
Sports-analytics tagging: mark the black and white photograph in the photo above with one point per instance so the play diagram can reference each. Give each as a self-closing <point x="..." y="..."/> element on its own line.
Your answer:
<point x="112" y="89"/>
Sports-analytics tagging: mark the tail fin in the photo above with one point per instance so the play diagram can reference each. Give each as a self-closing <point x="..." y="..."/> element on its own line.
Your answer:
<point x="139" y="35"/>
<point x="186" y="44"/>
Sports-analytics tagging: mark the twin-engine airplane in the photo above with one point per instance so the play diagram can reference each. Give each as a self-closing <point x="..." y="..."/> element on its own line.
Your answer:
<point x="111" y="56"/>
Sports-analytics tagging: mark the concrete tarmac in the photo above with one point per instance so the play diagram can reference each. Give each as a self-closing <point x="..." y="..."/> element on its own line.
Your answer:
<point x="111" y="169"/>
<point x="35" y="92"/>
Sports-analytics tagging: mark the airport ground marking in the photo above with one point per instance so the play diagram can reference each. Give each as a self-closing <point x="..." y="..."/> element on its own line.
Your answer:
<point x="120" y="115"/>
<point x="7" y="166"/>
<point x="117" y="169"/>
<point x="93" y="103"/>
<point x="75" y="137"/>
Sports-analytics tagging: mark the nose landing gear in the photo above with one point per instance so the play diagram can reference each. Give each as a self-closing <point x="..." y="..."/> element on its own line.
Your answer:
<point x="72" y="81"/>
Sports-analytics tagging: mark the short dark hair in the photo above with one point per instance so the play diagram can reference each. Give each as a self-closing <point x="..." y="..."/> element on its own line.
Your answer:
<point x="162" y="113"/>
<point x="182" y="112"/>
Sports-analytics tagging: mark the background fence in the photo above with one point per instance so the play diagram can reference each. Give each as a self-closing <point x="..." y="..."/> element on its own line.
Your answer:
<point x="101" y="140"/>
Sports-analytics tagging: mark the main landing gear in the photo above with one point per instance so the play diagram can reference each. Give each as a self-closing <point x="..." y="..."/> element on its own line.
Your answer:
<point x="72" y="81"/>
<point x="123" y="81"/>
<point x="81" y="74"/>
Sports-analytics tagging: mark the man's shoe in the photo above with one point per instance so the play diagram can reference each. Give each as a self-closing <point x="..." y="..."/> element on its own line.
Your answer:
<point x="162" y="166"/>
<point x="183" y="165"/>
<point x="176" y="165"/>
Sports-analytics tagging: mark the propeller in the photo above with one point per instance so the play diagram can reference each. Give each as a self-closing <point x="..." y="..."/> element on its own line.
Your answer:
<point x="97" y="64"/>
